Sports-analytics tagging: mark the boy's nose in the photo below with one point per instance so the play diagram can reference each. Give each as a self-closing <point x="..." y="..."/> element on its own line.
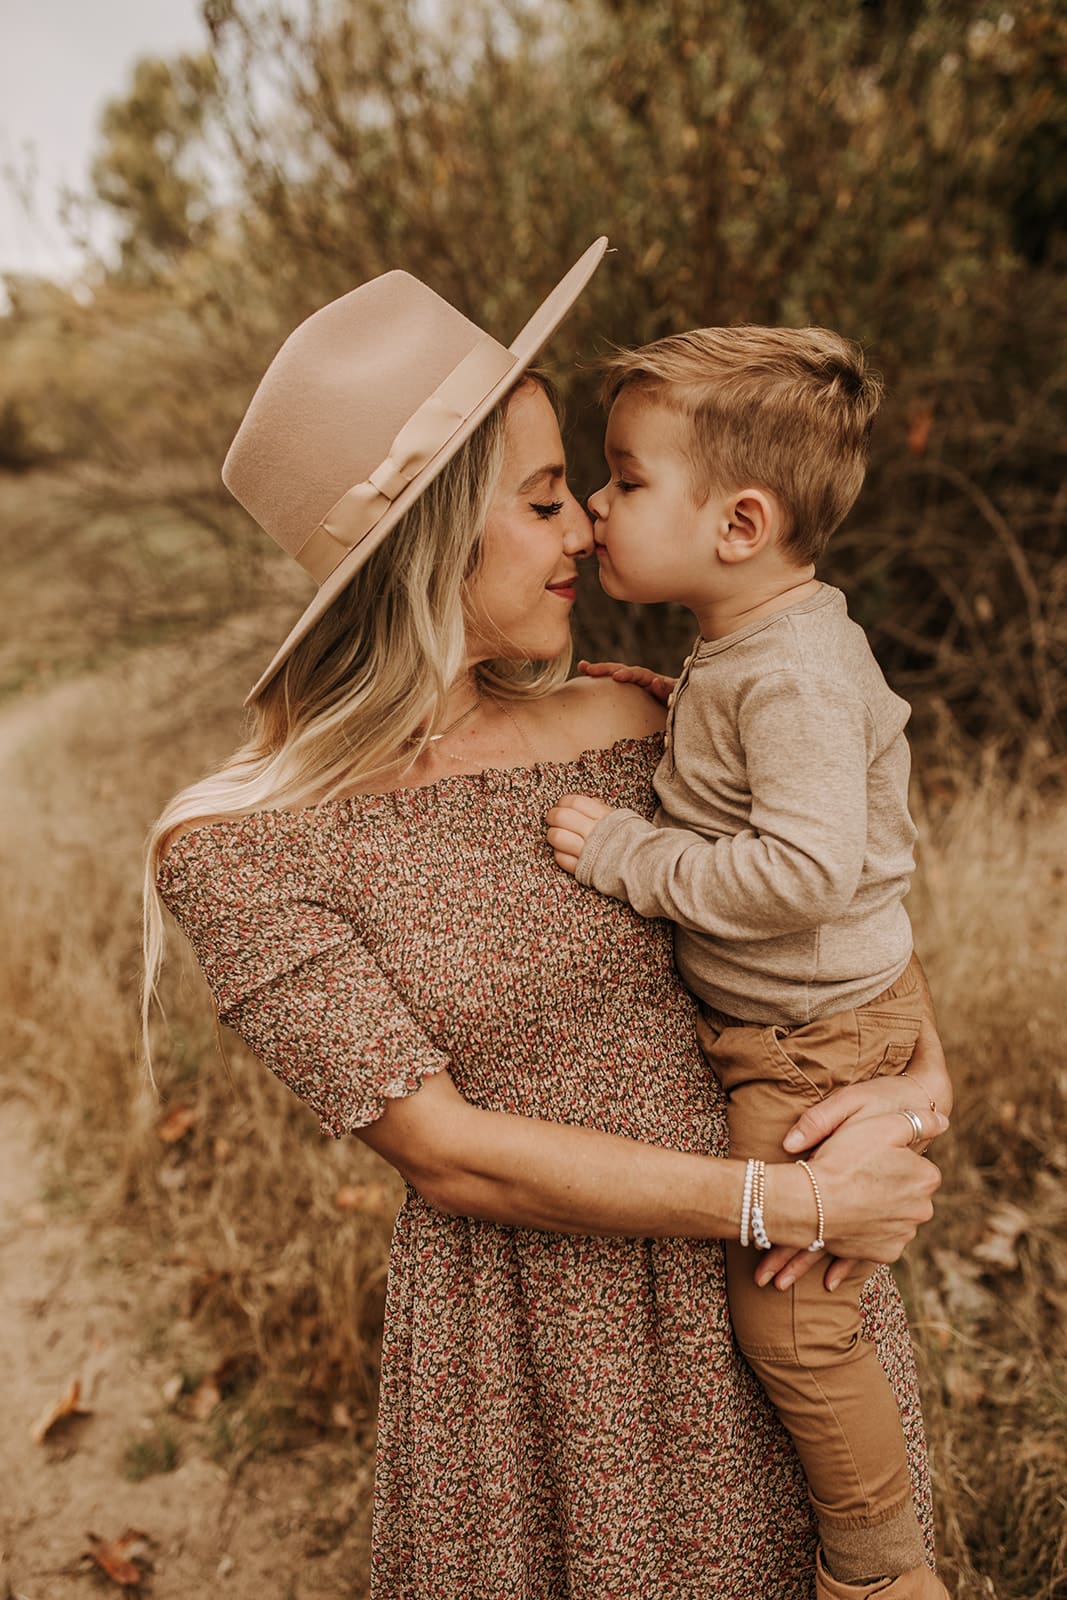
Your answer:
<point x="595" y="505"/>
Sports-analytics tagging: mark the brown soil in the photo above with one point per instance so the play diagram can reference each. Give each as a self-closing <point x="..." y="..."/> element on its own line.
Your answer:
<point x="277" y="1529"/>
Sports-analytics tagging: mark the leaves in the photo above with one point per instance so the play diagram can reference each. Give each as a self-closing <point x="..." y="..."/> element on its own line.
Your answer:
<point x="997" y="1246"/>
<point x="178" y="1122"/>
<point x="125" y="1559"/>
<point x="886" y="171"/>
<point x="920" y="421"/>
<point x="62" y="1410"/>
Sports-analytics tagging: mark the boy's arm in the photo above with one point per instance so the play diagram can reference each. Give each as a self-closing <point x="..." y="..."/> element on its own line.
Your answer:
<point x="798" y="862"/>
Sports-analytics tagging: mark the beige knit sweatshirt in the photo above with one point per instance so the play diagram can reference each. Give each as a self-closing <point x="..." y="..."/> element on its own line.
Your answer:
<point x="782" y="847"/>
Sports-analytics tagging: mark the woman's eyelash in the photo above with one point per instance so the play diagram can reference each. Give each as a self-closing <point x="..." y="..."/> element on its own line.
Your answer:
<point x="553" y="508"/>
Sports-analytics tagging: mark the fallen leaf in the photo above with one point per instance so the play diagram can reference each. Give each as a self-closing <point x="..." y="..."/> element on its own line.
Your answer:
<point x="364" y="1197"/>
<point x="70" y="1405"/>
<point x="996" y="1248"/>
<point x="340" y="1415"/>
<point x="119" y="1557"/>
<point x="177" y="1123"/>
<point x="964" y="1295"/>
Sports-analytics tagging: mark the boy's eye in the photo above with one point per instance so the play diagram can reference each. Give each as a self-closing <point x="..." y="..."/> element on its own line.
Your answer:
<point x="553" y="509"/>
<point x="624" y="486"/>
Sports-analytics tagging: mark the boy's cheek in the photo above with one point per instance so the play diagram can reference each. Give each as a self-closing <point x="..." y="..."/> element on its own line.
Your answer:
<point x="609" y="581"/>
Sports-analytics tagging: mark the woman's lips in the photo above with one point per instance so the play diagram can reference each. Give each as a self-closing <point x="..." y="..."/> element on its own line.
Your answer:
<point x="566" y="591"/>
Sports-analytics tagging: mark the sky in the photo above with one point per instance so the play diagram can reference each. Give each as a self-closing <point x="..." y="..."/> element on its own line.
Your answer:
<point x="60" y="62"/>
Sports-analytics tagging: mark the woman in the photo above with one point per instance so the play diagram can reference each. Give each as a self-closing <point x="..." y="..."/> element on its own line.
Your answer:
<point x="365" y="883"/>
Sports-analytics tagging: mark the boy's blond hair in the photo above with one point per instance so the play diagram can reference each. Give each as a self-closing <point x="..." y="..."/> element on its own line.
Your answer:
<point x="789" y="410"/>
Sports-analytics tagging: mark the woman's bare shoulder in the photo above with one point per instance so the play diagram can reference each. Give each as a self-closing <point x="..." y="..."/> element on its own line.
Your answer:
<point x="594" y="713"/>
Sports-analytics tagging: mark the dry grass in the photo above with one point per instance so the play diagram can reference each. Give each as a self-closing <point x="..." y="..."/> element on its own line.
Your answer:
<point x="988" y="1282"/>
<point x="290" y="1286"/>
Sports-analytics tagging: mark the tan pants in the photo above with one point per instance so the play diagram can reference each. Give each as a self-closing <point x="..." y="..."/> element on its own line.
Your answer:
<point x="804" y="1344"/>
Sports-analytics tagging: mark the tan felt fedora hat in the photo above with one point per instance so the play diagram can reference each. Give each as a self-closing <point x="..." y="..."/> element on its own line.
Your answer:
<point x="361" y="408"/>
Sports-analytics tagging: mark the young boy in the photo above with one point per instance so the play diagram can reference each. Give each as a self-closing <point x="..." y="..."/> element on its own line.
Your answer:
<point x="782" y="846"/>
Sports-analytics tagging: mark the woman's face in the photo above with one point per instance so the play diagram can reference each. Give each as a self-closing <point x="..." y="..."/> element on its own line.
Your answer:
<point x="521" y="593"/>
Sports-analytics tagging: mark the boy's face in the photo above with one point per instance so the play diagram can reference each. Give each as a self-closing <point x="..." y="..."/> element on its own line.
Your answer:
<point x="653" y="541"/>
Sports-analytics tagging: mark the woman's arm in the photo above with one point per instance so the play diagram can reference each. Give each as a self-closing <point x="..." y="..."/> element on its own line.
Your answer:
<point x="526" y="1173"/>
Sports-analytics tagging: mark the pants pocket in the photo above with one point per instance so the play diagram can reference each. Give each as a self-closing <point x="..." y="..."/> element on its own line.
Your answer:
<point x="886" y="1042"/>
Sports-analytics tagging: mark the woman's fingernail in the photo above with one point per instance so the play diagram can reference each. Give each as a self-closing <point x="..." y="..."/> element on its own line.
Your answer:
<point x="786" y="1282"/>
<point x="942" y="1122"/>
<point x="793" y="1141"/>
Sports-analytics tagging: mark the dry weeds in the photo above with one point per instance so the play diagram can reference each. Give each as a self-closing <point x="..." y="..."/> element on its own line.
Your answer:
<point x="245" y="1192"/>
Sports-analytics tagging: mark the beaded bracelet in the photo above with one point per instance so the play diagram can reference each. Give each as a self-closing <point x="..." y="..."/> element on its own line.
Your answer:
<point x="759" y="1232"/>
<point x="746" y="1203"/>
<point x="753" y="1200"/>
<point x="819" y="1241"/>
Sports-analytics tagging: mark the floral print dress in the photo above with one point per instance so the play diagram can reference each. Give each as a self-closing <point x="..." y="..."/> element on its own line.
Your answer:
<point x="561" y="1417"/>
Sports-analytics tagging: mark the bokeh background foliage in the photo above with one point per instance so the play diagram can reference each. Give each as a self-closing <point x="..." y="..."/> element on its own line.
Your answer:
<point x="893" y="170"/>
<point x="896" y="171"/>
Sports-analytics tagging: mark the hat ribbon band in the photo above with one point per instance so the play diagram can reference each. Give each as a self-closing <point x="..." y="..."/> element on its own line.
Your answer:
<point x="424" y="434"/>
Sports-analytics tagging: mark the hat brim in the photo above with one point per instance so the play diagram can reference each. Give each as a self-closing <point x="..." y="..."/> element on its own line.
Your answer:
<point x="525" y="347"/>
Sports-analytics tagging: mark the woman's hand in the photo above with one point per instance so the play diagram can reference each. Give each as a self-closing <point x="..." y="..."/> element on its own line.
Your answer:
<point x="924" y="1086"/>
<point x="876" y="1192"/>
<point x="657" y="684"/>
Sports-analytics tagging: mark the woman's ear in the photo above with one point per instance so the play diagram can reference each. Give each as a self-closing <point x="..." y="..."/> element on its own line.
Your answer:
<point x="749" y="524"/>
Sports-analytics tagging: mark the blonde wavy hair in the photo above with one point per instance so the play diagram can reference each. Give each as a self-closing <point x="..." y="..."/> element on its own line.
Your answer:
<point x="370" y="678"/>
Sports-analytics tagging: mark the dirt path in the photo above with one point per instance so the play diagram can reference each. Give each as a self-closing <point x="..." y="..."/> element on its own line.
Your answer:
<point x="80" y="1303"/>
<point x="284" y="1530"/>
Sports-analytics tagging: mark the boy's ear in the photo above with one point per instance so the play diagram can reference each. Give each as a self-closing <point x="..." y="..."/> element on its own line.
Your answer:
<point x="748" y="524"/>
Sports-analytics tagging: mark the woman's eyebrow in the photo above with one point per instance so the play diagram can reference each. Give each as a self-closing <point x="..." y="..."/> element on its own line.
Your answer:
<point x="554" y="472"/>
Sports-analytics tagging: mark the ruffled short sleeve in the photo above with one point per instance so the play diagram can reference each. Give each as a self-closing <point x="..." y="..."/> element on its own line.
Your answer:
<point x="289" y="972"/>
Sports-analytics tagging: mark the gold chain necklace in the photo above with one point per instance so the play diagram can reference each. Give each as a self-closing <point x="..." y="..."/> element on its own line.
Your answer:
<point x="435" y="738"/>
<point x="526" y="740"/>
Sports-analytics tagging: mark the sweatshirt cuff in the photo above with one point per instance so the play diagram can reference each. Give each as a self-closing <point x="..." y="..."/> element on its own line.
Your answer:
<point x="607" y="829"/>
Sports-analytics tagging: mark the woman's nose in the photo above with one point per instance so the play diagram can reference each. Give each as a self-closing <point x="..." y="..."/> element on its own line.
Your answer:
<point x="578" y="531"/>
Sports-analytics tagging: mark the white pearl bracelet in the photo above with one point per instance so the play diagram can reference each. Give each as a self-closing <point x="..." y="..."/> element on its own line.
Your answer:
<point x="752" y="1203"/>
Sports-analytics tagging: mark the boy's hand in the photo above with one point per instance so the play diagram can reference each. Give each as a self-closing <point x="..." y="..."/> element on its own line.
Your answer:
<point x="569" y="825"/>
<point x="657" y="685"/>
